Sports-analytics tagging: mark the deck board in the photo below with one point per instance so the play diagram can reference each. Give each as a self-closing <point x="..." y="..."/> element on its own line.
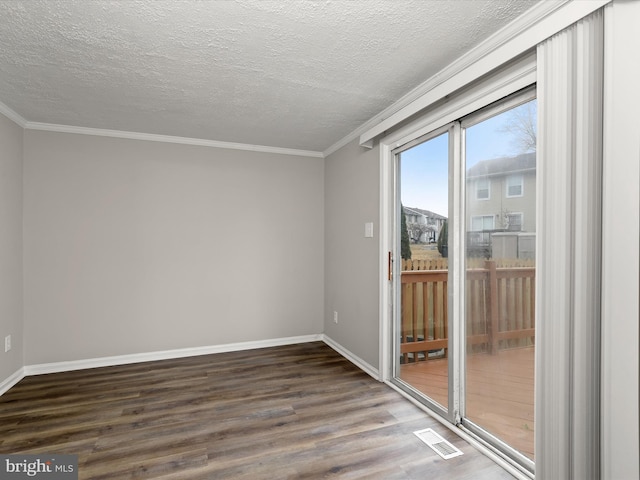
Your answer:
<point x="500" y="392"/>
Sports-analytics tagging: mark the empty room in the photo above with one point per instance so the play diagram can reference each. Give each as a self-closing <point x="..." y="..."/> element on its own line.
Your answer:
<point x="319" y="239"/>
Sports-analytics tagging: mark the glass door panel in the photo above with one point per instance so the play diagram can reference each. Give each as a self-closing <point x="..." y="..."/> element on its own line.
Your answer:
<point x="500" y="224"/>
<point x="423" y="349"/>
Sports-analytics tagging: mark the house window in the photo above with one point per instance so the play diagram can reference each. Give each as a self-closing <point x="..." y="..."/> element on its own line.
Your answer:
<point x="482" y="189"/>
<point x="514" y="186"/>
<point x="482" y="222"/>
<point x="513" y="222"/>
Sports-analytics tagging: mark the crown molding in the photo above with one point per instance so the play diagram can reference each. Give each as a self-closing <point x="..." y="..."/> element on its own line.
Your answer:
<point x="349" y="138"/>
<point x="544" y="20"/>
<point x="11" y="115"/>
<point x="526" y="22"/>
<point x="150" y="137"/>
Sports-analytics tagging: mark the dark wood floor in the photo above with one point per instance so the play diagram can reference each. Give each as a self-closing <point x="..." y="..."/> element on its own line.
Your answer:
<point x="298" y="411"/>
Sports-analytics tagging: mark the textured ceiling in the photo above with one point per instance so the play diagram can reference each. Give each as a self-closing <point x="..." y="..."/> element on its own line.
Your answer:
<point x="290" y="74"/>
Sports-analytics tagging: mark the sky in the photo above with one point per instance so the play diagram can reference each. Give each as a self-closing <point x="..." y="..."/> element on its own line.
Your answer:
<point x="424" y="169"/>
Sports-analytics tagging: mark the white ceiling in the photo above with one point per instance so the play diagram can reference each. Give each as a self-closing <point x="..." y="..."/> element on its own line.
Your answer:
<point x="289" y="74"/>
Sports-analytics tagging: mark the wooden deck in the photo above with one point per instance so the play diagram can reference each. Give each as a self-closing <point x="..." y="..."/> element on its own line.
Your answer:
<point x="500" y="392"/>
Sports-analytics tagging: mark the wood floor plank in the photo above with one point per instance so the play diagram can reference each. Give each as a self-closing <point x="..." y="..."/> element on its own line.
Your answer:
<point x="291" y="412"/>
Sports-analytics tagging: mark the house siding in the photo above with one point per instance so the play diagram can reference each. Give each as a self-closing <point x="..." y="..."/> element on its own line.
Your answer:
<point x="499" y="203"/>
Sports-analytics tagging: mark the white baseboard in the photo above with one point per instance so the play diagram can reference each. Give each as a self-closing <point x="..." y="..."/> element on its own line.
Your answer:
<point x="9" y="382"/>
<point x="56" y="367"/>
<point x="357" y="361"/>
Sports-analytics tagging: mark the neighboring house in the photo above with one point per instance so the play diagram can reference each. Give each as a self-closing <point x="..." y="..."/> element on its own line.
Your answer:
<point x="423" y="225"/>
<point x="501" y="198"/>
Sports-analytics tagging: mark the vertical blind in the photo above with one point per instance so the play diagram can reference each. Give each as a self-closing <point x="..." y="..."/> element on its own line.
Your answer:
<point x="570" y="88"/>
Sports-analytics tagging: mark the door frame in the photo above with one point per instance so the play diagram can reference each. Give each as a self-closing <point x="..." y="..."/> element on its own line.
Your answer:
<point x="520" y="76"/>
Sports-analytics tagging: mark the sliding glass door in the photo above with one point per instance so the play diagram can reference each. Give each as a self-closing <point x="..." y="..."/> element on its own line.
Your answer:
<point x="464" y="330"/>
<point x="500" y="229"/>
<point x="424" y="287"/>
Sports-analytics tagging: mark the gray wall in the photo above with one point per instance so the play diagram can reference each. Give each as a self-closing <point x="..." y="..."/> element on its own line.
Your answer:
<point x="133" y="246"/>
<point x="352" y="181"/>
<point x="10" y="246"/>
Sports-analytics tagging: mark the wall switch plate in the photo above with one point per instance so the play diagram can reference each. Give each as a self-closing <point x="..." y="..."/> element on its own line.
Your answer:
<point x="368" y="230"/>
<point x="7" y="343"/>
<point x="335" y="317"/>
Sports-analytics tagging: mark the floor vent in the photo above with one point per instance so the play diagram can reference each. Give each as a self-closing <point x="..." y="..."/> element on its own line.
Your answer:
<point x="437" y="443"/>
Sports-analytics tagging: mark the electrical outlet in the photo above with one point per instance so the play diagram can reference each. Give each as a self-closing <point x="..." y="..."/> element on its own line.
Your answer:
<point x="335" y="317"/>
<point x="7" y="343"/>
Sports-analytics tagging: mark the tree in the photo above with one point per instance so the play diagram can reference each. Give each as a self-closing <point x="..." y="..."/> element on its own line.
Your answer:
<point x="405" y="248"/>
<point x="521" y="125"/>
<point x="418" y="230"/>
<point x="443" y="239"/>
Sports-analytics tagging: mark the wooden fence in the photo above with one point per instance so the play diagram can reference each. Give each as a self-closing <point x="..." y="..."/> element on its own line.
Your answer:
<point x="500" y="310"/>
<point x="443" y="263"/>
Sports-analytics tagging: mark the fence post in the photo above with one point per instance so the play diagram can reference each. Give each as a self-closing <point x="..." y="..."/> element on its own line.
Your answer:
<point x="492" y="286"/>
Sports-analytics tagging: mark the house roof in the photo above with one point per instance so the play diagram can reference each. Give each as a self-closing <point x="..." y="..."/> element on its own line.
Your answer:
<point x="295" y="74"/>
<point x="420" y="211"/>
<point x="503" y="165"/>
